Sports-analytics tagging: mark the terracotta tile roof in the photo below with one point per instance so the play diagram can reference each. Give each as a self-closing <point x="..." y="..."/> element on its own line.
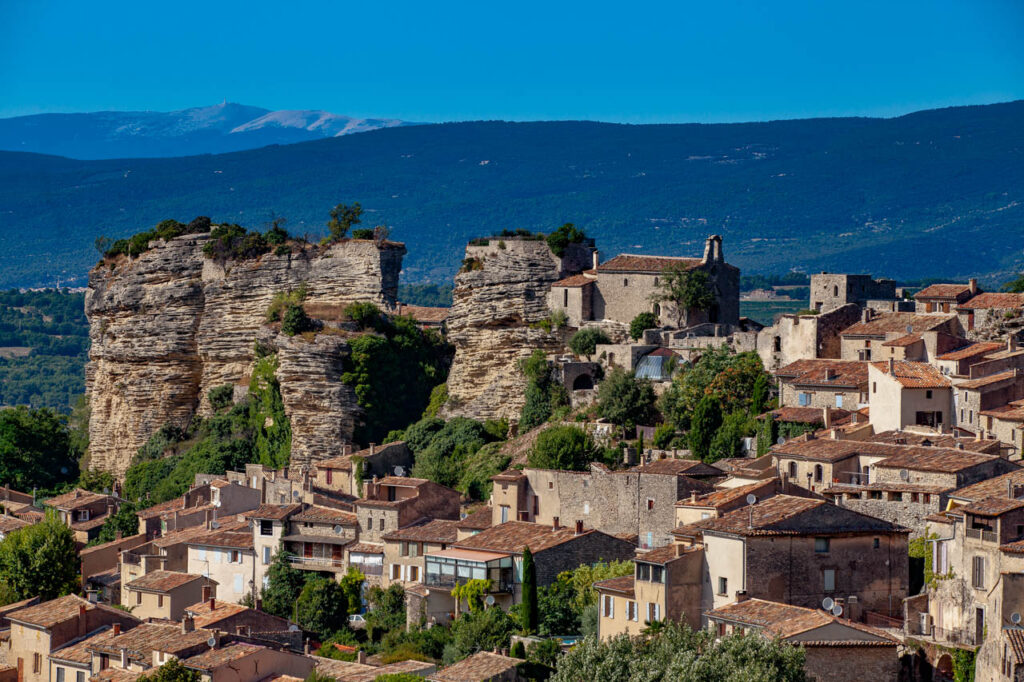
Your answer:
<point x="903" y="341"/>
<point x="994" y="300"/>
<point x="784" y="620"/>
<point x="971" y="350"/>
<point x="513" y="536"/>
<point x="78" y="651"/>
<point x="787" y="515"/>
<point x="178" y="503"/>
<point x="273" y="512"/>
<point x="984" y="382"/>
<point x="10" y="523"/>
<point x="661" y="555"/>
<point x="192" y="533"/>
<point x="941" y="460"/>
<point x="822" y="372"/>
<point x="676" y="467"/>
<point x="116" y="675"/>
<point x="574" y="281"/>
<point x="345" y="671"/>
<point x="76" y="498"/>
<point x="233" y="539"/>
<point x="220" y="483"/>
<point x="50" y="613"/>
<point x="204" y="617"/>
<point x="211" y="659"/>
<point x="482" y="665"/>
<point x="725" y="496"/>
<point x="992" y="506"/>
<point x="1015" y="547"/>
<point x="509" y="475"/>
<point x="343" y="463"/>
<point x="477" y="520"/>
<point x="402" y="481"/>
<point x="809" y="415"/>
<point x="887" y="323"/>
<point x="943" y="291"/>
<point x="624" y="585"/>
<point x="992" y="487"/>
<point x="937" y="440"/>
<point x="142" y="640"/>
<point x="914" y="374"/>
<point x="327" y="515"/>
<point x="900" y="487"/>
<point x="826" y="449"/>
<point x="366" y="548"/>
<point x="430" y="530"/>
<point x="1015" y="636"/>
<point x="1012" y="411"/>
<point x="163" y="581"/>
<point x="422" y="313"/>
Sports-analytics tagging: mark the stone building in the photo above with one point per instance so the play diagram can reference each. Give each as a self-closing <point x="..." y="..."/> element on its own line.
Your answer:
<point x="989" y="310"/>
<point x="945" y="298"/>
<point x="229" y="558"/>
<point x="799" y="550"/>
<point x="800" y="337"/>
<point x="973" y="397"/>
<point x="318" y="536"/>
<point x="638" y="501"/>
<point x="836" y="648"/>
<point x="957" y="363"/>
<point x="833" y="290"/>
<point x="623" y="287"/>
<point x="84" y="512"/>
<point x="165" y="594"/>
<point x="863" y="341"/>
<point x="405" y="549"/>
<point x="909" y="394"/>
<point x="344" y="474"/>
<point x="823" y="383"/>
<point x="200" y="505"/>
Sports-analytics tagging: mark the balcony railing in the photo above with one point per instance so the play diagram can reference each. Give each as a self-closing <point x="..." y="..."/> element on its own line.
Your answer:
<point x="965" y="636"/>
<point x="437" y="580"/>
<point x="369" y="569"/>
<point x="318" y="561"/>
<point x="981" y="534"/>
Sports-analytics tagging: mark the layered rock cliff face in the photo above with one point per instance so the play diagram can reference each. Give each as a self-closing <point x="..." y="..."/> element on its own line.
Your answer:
<point x="171" y="324"/>
<point x="500" y="296"/>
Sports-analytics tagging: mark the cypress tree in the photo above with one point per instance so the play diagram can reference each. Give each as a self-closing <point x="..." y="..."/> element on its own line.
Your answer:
<point x="529" y="592"/>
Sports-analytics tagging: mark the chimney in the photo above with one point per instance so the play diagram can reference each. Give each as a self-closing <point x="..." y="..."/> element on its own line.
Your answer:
<point x="717" y="250"/>
<point x="972" y="284"/>
<point x="188" y="624"/>
<point x="595" y="258"/>
<point x="892" y="367"/>
<point x="741" y="596"/>
<point x="1009" y="489"/>
<point x="554" y="523"/>
<point x="305" y="647"/>
<point x="361" y="657"/>
<point x="709" y="249"/>
<point x="81" y="610"/>
<point x="826" y="416"/>
<point x="1011" y="343"/>
<point x="373" y="449"/>
<point x="213" y="603"/>
<point x="693" y="497"/>
<point x="865" y="315"/>
<point x="117" y="629"/>
<point x="124" y="658"/>
<point x="579" y="526"/>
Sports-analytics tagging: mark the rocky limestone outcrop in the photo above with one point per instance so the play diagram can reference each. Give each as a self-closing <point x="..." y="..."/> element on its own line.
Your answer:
<point x="171" y="324"/>
<point x="500" y="295"/>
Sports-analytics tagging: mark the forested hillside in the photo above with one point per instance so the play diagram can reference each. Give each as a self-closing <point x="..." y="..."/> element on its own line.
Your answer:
<point x="935" y="191"/>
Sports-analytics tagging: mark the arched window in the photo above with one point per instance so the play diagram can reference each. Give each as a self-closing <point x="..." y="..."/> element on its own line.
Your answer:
<point x="835" y="291"/>
<point x="657" y="310"/>
<point x="818" y="472"/>
<point x="625" y="281"/>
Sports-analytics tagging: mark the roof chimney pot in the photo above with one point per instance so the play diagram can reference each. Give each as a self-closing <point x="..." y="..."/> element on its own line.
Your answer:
<point x="554" y="523"/>
<point x="595" y="257"/>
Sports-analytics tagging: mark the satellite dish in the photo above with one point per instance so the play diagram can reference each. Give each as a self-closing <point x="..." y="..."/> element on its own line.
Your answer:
<point x="293" y="628"/>
<point x="215" y="524"/>
<point x="212" y="642"/>
<point x="751" y="498"/>
<point x="106" y="491"/>
<point x="399" y="471"/>
<point x="910" y="329"/>
<point x="780" y="441"/>
<point x="337" y="530"/>
<point x="295" y="494"/>
<point x="827" y="603"/>
<point x="64" y="470"/>
<point x="837" y="610"/>
<point x="489" y="600"/>
<point x="1015" y="618"/>
<point x="904" y="475"/>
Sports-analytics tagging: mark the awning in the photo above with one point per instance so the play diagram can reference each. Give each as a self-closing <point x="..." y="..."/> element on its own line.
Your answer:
<point x="469" y="555"/>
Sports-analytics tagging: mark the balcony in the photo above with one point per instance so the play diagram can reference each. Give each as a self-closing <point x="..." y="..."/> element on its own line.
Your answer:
<point x="315" y="563"/>
<point x="982" y="534"/>
<point x="450" y="581"/>
<point x="369" y="569"/>
<point x="956" y="636"/>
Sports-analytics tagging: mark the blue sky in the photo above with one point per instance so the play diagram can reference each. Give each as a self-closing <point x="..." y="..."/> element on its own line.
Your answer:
<point x="641" y="62"/>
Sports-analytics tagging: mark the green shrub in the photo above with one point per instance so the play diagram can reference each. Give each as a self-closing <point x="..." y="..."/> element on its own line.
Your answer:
<point x="281" y="300"/>
<point x="560" y="239"/>
<point x="295" y="321"/>
<point x="641" y="323"/>
<point x="663" y="436"/>
<point x="585" y="341"/>
<point x="221" y="397"/>
<point x="366" y="315"/>
<point x="231" y="241"/>
<point x="362" y="233"/>
<point x="562" y="447"/>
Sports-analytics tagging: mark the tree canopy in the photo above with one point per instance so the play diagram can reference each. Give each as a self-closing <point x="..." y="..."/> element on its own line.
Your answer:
<point x="625" y="400"/>
<point x="562" y="447"/>
<point x="686" y="290"/>
<point x="343" y="217"/>
<point x="585" y="341"/>
<point x="40" y="559"/>
<point x="35" y="449"/>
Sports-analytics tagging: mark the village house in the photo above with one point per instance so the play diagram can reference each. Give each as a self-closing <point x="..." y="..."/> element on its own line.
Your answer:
<point x="483" y="666"/>
<point x="945" y="298"/>
<point x="800" y="550"/>
<point x="269" y="524"/>
<point x="834" y="290"/>
<point x="990" y="309"/>
<point x="637" y="501"/>
<point x="475" y="521"/>
<point x="496" y="554"/>
<point x="200" y="505"/>
<point x="345" y="474"/>
<point x="405" y="548"/>
<point x="714" y="504"/>
<point x="909" y="394"/>
<point x="248" y="662"/>
<point x="228" y="558"/>
<point x="38" y="630"/>
<point x="360" y="671"/>
<point x="974" y="397"/>
<point x="801" y="337"/>
<point x="863" y="340"/>
<point x="124" y="656"/>
<point x="957" y="363"/>
<point x="165" y="594"/>
<point x="72" y="662"/>
<point x="1006" y="424"/>
<point x="84" y="512"/>
<point x="625" y="286"/>
<point x="823" y="383"/>
<point x="212" y="614"/>
<point x="316" y="538"/>
<point x="667" y="584"/>
<point x="835" y="648"/>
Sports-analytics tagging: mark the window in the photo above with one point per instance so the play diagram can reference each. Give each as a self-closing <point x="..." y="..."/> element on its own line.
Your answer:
<point x="79" y="676"/>
<point x="913" y="497"/>
<point x="104" y="661"/>
<point x="504" y="513"/>
<point x="631" y="611"/>
<point x="60" y="674"/>
<point x="138" y="597"/>
<point x="609" y="606"/>
<point x="625" y="281"/>
<point x="839" y="400"/>
<point x="396" y="571"/>
<point x="818" y="473"/>
<point x="37" y="663"/>
<point x="403" y="549"/>
<point x="159" y="601"/>
<point x="821" y="545"/>
<point x="266" y="555"/>
<point x="643" y="571"/>
<point x="704" y="515"/>
<point x="723" y="586"/>
<point x="83" y="515"/>
<point x="657" y="574"/>
<point x="927" y="498"/>
<point x="829" y="575"/>
<point x="650" y="504"/>
<point x="653" y="612"/>
<point x="238" y="583"/>
<point x="565" y="298"/>
<point x="414" y="573"/>
<point x="978" y="572"/>
<point x="792" y="469"/>
<point x="876" y="543"/>
<point x="928" y="395"/>
<point x="874" y="494"/>
<point x="874" y="387"/>
<point x="381" y="524"/>
<point x="236" y="556"/>
<point x="804" y="399"/>
<point x="330" y="476"/>
<point x="551" y="485"/>
<point x="267" y="527"/>
<point x="586" y="507"/>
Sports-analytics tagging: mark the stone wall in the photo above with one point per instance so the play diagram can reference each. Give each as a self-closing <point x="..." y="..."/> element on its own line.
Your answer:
<point x="830" y="291"/>
<point x="169" y="325"/>
<point x="800" y="337"/>
<point x="588" y="548"/>
<point x="842" y="663"/>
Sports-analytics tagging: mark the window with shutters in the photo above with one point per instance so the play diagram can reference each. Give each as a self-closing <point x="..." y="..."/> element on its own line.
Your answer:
<point x="266" y="527"/>
<point x="60" y="674"/>
<point x="653" y="612"/>
<point x="609" y="606"/>
<point x="80" y="676"/>
<point x="631" y="611"/>
<point x="138" y="597"/>
<point x="978" y="572"/>
<point x="159" y="601"/>
<point x="37" y="663"/>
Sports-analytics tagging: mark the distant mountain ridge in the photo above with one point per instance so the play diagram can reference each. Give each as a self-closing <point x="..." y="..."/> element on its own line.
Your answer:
<point x="216" y="129"/>
<point x="934" y="193"/>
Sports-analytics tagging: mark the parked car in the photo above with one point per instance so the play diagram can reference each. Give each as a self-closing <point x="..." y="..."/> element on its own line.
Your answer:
<point x="356" y="621"/>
